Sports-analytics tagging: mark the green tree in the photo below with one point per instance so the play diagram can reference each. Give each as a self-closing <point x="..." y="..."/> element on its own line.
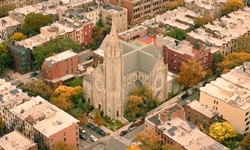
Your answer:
<point x="5" y="8"/>
<point x="245" y="144"/>
<point x="64" y="146"/>
<point x="55" y="46"/>
<point x="18" y="36"/>
<point x="231" y="6"/>
<point x="191" y="74"/>
<point x="34" y="88"/>
<point x="97" y="118"/>
<point x="33" y="22"/>
<point x="231" y="61"/>
<point x="218" y="58"/>
<point x="243" y="44"/>
<point x="200" y="21"/>
<point x="77" y="81"/>
<point x="177" y="33"/>
<point x="5" y="57"/>
<point x="222" y="131"/>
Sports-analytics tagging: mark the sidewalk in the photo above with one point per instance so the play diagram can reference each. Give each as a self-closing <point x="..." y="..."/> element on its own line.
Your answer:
<point x="117" y="132"/>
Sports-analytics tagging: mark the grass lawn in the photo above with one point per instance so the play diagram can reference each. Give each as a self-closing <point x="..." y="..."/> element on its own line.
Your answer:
<point x="112" y="124"/>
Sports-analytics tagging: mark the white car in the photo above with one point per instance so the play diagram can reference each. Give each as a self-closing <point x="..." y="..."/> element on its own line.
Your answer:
<point x="93" y="138"/>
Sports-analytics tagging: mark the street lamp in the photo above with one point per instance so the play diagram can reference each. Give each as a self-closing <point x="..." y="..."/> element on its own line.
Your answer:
<point x="114" y="124"/>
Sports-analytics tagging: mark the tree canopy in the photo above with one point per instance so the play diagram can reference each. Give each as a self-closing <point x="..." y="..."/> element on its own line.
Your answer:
<point x="77" y="81"/>
<point x="35" y="87"/>
<point x="231" y="61"/>
<point x="2" y="125"/>
<point x="191" y="74"/>
<point x="18" y="36"/>
<point x="63" y="146"/>
<point x="98" y="118"/>
<point x="5" y="57"/>
<point x="200" y="21"/>
<point x="218" y="58"/>
<point x="55" y="46"/>
<point x="133" y="106"/>
<point x="173" y="5"/>
<point x="133" y="148"/>
<point x="245" y="144"/>
<point x="176" y="33"/>
<point x="243" y="44"/>
<point x="33" y="22"/>
<point x="221" y="131"/>
<point x="232" y="5"/>
<point x="5" y="8"/>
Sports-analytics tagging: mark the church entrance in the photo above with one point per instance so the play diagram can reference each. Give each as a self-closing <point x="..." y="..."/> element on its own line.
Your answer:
<point x="117" y="113"/>
<point x="99" y="106"/>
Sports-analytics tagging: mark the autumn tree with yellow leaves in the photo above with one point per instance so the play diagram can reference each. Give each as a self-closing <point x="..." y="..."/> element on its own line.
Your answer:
<point x="133" y="147"/>
<point x="98" y="118"/>
<point x="18" y="36"/>
<point x="63" y="146"/>
<point x="232" y="5"/>
<point x="133" y="105"/>
<point x="200" y="21"/>
<point x="222" y="131"/>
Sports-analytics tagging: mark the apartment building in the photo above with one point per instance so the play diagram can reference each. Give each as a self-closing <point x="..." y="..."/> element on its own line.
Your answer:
<point x="117" y="14"/>
<point x="223" y="34"/>
<point x="200" y="115"/>
<point x="174" y="130"/>
<point x="176" y="52"/>
<point x="15" y="140"/>
<point x="8" y="27"/>
<point x="205" y="7"/>
<point x="230" y="98"/>
<point x="19" y="3"/>
<point x="43" y="123"/>
<point x="138" y="10"/>
<point x="60" y="68"/>
<point x="133" y="33"/>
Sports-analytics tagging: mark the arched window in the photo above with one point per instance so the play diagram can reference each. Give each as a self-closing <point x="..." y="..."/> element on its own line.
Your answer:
<point x="158" y="81"/>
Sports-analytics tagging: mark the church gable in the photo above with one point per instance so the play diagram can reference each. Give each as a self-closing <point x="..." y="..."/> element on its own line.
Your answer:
<point x="99" y="70"/>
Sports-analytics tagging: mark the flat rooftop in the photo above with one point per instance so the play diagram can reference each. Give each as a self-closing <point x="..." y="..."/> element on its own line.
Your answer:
<point x="33" y="41"/>
<point x="45" y="117"/>
<point x="201" y="108"/>
<point x="188" y="135"/>
<point x="113" y="8"/>
<point x="7" y="22"/>
<point x="61" y="56"/>
<point x="133" y="31"/>
<point x="15" y="141"/>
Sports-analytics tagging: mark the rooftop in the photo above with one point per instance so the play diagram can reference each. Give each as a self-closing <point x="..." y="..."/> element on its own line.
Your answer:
<point x="134" y="30"/>
<point x="16" y="141"/>
<point x="6" y="22"/>
<point x="45" y="117"/>
<point x="113" y="8"/>
<point x="188" y="135"/>
<point x="33" y="41"/>
<point x="207" y="4"/>
<point x="201" y="108"/>
<point x="61" y="56"/>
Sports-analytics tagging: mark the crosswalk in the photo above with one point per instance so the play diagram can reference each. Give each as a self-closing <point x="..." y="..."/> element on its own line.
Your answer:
<point x="123" y="140"/>
<point x="106" y="138"/>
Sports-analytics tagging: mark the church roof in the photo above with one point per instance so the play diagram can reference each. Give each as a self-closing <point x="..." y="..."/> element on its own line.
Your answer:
<point x="87" y="77"/>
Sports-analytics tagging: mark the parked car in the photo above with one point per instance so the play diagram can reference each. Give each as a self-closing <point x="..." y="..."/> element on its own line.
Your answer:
<point x="82" y="136"/>
<point x="139" y="122"/>
<point x="184" y="96"/>
<point x="33" y="74"/>
<point x="82" y="130"/>
<point x="93" y="138"/>
<point x="90" y="125"/>
<point x="19" y="84"/>
<point x="123" y="132"/>
<point x="89" y="57"/>
<point x="101" y="132"/>
<point x="132" y="127"/>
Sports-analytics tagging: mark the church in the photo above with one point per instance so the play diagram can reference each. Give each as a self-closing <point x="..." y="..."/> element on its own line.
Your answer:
<point x="124" y="66"/>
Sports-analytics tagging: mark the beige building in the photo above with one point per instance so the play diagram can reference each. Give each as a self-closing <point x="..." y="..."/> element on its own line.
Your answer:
<point x="133" y="33"/>
<point x="16" y="141"/>
<point x="8" y="27"/>
<point x="43" y="123"/>
<point x="174" y="130"/>
<point x="224" y="33"/>
<point x="230" y="99"/>
<point x="116" y="13"/>
<point x="124" y="67"/>
<point x="19" y="3"/>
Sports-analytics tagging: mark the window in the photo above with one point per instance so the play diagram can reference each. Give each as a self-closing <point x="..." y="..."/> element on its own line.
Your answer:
<point x="65" y="139"/>
<point x="64" y="133"/>
<point x="247" y="113"/>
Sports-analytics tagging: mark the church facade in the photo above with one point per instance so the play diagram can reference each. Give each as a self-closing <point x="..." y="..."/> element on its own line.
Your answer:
<point x="124" y="66"/>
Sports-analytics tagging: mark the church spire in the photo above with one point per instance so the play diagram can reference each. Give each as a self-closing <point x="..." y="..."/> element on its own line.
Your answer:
<point x="113" y="28"/>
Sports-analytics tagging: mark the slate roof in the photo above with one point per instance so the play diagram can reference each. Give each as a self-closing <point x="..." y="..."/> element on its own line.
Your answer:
<point x="87" y="77"/>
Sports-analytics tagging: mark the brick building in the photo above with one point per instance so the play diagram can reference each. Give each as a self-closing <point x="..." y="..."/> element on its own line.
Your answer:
<point x="59" y="68"/>
<point x="175" y="52"/>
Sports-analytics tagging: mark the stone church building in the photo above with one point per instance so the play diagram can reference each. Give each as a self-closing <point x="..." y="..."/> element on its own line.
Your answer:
<point x="124" y="66"/>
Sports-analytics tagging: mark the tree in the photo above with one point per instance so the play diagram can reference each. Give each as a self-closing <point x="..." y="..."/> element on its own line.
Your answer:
<point x="63" y="146"/>
<point x="231" y="61"/>
<point x="62" y="97"/>
<point x="5" y="57"/>
<point x="18" y="36"/>
<point x="173" y="5"/>
<point x="35" y="87"/>
<point x="133" y="105"/>
<point x="77" y="81"/>
<point x="5" y="8"/>
<point x="2" y="125"/>
<point x="243" y="44"/>
<point x="232" y="5"/>
<point x="177" y="33"/>
<point x="245" y="144"/>
<point x="222" y="131"/>
<point x="98" y="119"/>
<point x="150" y="140"/>
<point x="191" y="74"/>
<point x="55" y="46"/>
<point x="133" y="148"/>
<point x="200" y="21"/>
<point x="33" y="22"/>
<point x="218" y="58"/>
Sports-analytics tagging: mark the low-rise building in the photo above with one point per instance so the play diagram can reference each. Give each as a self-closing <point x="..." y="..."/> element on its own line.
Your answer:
<point x="133" y="33"/>
<point x="15" y="140"/>
<point x="19" y="3"/>
<point x="175" y="52"/>
<point x="174" y="130"/>
<point x="230" y="98"/>
<point x="43" y="123"/>
<point x="8" y="27"/>
<point x="200" y="115"/>
<point x="223" y="33"/>
<point x="60" y="68"/>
